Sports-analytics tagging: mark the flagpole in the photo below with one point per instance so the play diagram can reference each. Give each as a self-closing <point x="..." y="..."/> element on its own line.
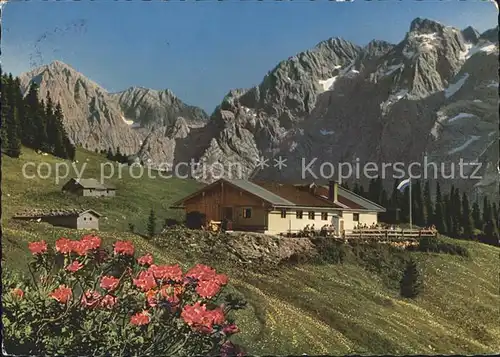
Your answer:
<point x="410" y="206"/>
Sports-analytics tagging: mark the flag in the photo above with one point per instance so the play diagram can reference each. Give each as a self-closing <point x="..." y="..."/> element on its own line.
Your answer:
<point x="403" y="184"/>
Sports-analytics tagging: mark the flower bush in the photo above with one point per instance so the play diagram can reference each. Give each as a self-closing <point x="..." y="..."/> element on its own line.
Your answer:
<point x="84" y="300"/>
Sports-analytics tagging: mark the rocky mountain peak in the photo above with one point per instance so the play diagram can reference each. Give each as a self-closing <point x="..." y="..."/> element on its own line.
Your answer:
<point x="425" y="26"/>
<point x="149" y="108"/>
<point x="490" y="35"/>
<point x="178" y="130"/>
<point x="470" y="34"/>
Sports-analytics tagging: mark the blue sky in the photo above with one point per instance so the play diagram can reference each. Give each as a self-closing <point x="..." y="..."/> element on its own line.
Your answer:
<point x="200" y="50"/>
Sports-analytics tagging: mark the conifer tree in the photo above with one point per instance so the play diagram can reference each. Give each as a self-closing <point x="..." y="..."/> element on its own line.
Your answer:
<point x="439" y="219"/>
<point x="152" y="223"/>
<point x="13" y="139"/>
<point x="5" y="109"/>
<point x="404" y="205"/>
<point x="490" y="228"/>
<point x="429" y="209"/>
<point x="418" y="204"/>
<point x="457" y="213"/>
<point x="29" y="121"/>
<point x="476" y="216"/>
<point x="384" y="202"/>
<point x="486" y="210"/>
<point x="467" y="222"/>
<point x="62" y="146"/>
<point x="447" y="215"/>
<point x="356" y="188"/>
<point x="394" y="202"/>
<point x="372" y="194"/>
<point x="410" y="284"/>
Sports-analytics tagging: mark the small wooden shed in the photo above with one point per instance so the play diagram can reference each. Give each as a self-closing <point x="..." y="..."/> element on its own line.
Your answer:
<point x="76" y="219"/>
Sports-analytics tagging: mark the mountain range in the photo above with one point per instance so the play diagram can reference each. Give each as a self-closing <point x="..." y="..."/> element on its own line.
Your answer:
<point x="434" y="94"/>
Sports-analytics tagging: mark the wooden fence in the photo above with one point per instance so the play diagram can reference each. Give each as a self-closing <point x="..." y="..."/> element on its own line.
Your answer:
<point x="370" y="233"/>
<point x="389" y="233"/>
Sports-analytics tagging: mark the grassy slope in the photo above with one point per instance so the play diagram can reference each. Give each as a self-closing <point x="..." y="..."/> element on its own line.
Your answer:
<point x="315" y="309"/>
<point x="134" y="200"/>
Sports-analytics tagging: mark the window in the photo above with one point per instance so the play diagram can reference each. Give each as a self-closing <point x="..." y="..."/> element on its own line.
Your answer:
<point x="311" y="214"/>
<point x="298" y="214"/>
<point x="84" y="218"/>
<point x="355" y="217"/>
<point x="90" y="218"/>
<point x="324" y="216"/>
<point x="283" y="213"/>
<point x="247" y="213"/>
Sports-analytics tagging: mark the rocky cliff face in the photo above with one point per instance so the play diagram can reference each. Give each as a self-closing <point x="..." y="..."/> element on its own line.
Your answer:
<point x="141" y="122"/>
<point x="149" y="108"/>
<point x="92" y="117"/>
<point x="381" y="103"/>
<point x="433" y="94"/>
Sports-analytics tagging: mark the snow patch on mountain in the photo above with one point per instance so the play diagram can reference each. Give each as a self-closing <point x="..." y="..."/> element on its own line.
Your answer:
<point x="460" y="116"/>
<point x="326" y="132"/>
<point x="425" y="41"/>
<point x="393" y="98"/>
<point x="391" y="69"/>
<point x="492" y="84"/>
<point x="482" y="47"/>
<point x="469" y="141"/>
<point x="455" y="87"/>
<point x="327" y="84"/>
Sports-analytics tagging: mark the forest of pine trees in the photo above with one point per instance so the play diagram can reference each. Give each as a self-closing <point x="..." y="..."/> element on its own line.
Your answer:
<point x="32" y="122"/>
<point x="451" y="212"/>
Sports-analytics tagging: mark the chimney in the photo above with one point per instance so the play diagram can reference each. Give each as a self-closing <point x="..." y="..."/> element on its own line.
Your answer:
<point x="333" y="190"/>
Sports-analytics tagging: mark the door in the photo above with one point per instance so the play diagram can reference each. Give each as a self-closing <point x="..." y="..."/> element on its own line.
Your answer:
<point x="227" y="212"/>
<point x="335" y="223"/>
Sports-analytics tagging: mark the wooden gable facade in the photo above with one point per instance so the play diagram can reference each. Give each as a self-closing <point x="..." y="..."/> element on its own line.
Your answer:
<point x="224" y="200"/>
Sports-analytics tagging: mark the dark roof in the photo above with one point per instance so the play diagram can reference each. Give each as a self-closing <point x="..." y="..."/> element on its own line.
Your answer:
<point x="297" y="195"/>
<point x="261" y="192"/>
<point x="37" y="213"/>
<point x="92" y="183"/>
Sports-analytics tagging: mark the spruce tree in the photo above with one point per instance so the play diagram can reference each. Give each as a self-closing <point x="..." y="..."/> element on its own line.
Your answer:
<point x="490" y="228"/>
<point x="418" y="204"/>
<point x="356" y="188"/>
<point x="62" y="145"/>
<point x="467" y="221"/>
<point x="457" y="213"/>
<point x="5" y="109"/>
<point x="13" y="139"/>
<point x="32" y="110"/>
<point x="495" y="213"/>
<point x="404" y="204"/>
<point x="51" y="125"/>
<point x="10" y="132"/>
<point x="394" y="202"/>
<point x="410" y="284"/>
<point x="476" y="216"/>
<point x="110" y="155"/>
<point x="372" y="194"/>
<point x="152" y="223"/>
<point x="447" y="212"/>
<point x="486" y="210"/>
<point x="384" y="202"/>
<point x="439" y="219"/>
<point x="429" y="209"/>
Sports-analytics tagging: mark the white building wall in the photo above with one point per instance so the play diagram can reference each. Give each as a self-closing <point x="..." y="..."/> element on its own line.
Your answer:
<point x="277" y="225"/>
